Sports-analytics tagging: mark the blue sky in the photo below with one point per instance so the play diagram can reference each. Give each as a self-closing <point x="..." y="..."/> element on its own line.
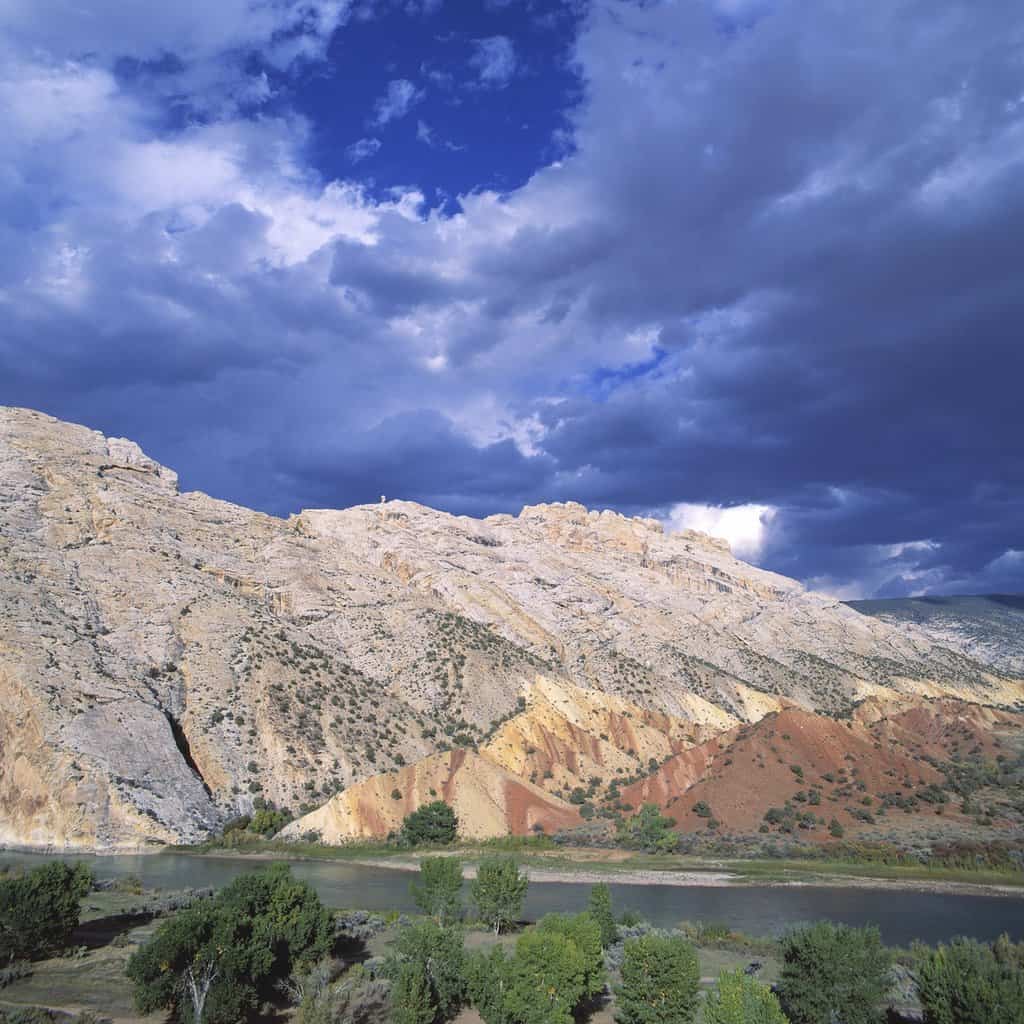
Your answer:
<point x="751" y="266"/>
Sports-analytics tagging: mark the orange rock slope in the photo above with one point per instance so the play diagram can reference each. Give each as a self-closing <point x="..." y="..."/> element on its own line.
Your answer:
<point x="885" y="750"/>
<point x="604" y="754"/>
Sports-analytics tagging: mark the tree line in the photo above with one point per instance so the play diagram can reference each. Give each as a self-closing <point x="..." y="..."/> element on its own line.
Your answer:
<point x="218" y="961"/>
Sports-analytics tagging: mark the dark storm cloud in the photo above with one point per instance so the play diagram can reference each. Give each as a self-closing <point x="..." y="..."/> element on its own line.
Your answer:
<point x="779" y="268"/>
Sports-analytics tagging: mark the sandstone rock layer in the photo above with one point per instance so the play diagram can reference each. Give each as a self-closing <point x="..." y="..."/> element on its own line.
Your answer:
<point x="167" y="658"/>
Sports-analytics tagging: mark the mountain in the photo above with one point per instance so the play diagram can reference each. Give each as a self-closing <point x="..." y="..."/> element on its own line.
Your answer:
<point x="988" y="627"/>
<point x="167" y="658"/>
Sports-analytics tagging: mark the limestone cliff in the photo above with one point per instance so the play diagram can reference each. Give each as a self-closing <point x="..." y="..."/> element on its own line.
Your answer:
<point x="166" y="657"/>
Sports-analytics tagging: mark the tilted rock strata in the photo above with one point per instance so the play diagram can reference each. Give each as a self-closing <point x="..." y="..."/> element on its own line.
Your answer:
<point x="488" y="801"/>
<point x="166" y="658"/>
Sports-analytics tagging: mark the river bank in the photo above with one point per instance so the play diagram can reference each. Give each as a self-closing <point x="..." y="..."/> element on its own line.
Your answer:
<point x="585" y="866"/>
<point x="590" y="868"/>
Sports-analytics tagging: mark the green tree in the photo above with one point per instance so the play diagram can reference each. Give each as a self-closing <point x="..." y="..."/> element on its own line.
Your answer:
<point x="199" y="965"/>
<point x="433" y="824"/>
<point x="600" y="908"/>
<point x="439" y="889"/>
<point x="440" y="953"/>
<point x="487" y="978"/>
<point x="585" y="934"/>
<point x="266" y="821"/>
<point x="832" y="971"/>
<point x="40" y="910"/>
<point x="498" y="891"/>
<point x="411" y="998"/>
<point x="660" y="981"/>
<point x="212" y="962"/>
<point x="649" y="829"/>
<point x="739" y="999"/>
<point x="545" y="980"/>
<point x="967" y="982"/>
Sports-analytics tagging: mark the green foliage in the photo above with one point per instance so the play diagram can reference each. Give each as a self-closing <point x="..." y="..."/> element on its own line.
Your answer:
<point x="40" y="910"/>
<point x="440" y="954"/>
<point x="648" y="829"/>
<point x="212" y="962"/>
<point x="498" y="891"/>
<point x="739" y="999"/>
<point x="660" y="981"/>
<point x="545" y="980"/>
<point x="487" y="977"/>
<point x="834" y="972"/>
<point x="411" y="998"/>
<point x="585" y="934"/>
<point x="433" y="824"/>
<point x="439" y="889"/>
<point x="600" y="908"/>
<point x="968" y="982"/>
<point x="554" y="968"/>
<point x="266" y="821"/>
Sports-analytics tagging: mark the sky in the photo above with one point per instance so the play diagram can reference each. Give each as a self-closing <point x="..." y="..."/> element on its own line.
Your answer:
<point x="754" y="267"/>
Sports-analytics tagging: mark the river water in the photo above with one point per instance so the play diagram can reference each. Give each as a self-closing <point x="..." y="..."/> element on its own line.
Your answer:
<point x="757" y="910"/>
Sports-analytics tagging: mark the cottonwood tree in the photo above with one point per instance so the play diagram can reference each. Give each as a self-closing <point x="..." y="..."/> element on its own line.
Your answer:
<point x="660" y="981"/>
<point x="440" y="953"/>
<point x="498" y="891"/>
<point x="740" y="999"/>
<point x="438" y="892"/>
<point x="600" y="909"/>
<point x="968" y="981"/>
<point x="832" y="971"/>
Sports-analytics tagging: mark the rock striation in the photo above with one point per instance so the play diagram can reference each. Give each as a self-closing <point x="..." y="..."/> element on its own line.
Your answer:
<point x="167" y="658"/>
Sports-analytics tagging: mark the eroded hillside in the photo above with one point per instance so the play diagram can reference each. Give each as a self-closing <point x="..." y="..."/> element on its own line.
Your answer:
<point x="167" y="658"/>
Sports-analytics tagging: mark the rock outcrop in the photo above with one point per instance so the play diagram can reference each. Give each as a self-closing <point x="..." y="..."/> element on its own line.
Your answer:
<point x="167" y="658"/>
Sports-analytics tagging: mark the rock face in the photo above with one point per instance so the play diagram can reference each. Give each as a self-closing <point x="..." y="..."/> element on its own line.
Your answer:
<point x="165" y="658"/>
<point x="988" y="627"/>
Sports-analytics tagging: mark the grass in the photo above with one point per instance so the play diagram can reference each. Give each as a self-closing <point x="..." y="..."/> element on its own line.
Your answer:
<point x="92" y="980"/>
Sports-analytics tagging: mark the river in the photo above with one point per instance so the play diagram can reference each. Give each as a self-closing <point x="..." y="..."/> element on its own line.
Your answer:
<point x="757" y="910"/>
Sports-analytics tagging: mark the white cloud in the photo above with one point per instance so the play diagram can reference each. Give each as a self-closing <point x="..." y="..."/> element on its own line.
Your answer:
<point x="495" y="61"/>
<point x="400" y="98"/>
<point x="363" y="149"/>
<point x="745" y="527"/>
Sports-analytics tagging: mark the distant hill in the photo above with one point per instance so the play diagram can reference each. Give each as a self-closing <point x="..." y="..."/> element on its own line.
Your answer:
<point x="990" y="627"/>
<point x="169" y="661"/>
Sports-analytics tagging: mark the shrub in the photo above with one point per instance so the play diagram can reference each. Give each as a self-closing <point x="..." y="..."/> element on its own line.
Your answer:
<point x="660" y="981"/>
<point x="40" y="910"/>
<point x="432" y="824"/>
<point x="739" y="999"/>
<point x="439" y="889"/>
<point x="266" y="821"/>
<point x="649" y="829"/>
<point x="968" y="982"/>
<point x="498" y="891"/>
<point x="834" y="972"/>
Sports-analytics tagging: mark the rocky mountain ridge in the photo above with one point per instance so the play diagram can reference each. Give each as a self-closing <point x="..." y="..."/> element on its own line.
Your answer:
<point x="167" y="658"/>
